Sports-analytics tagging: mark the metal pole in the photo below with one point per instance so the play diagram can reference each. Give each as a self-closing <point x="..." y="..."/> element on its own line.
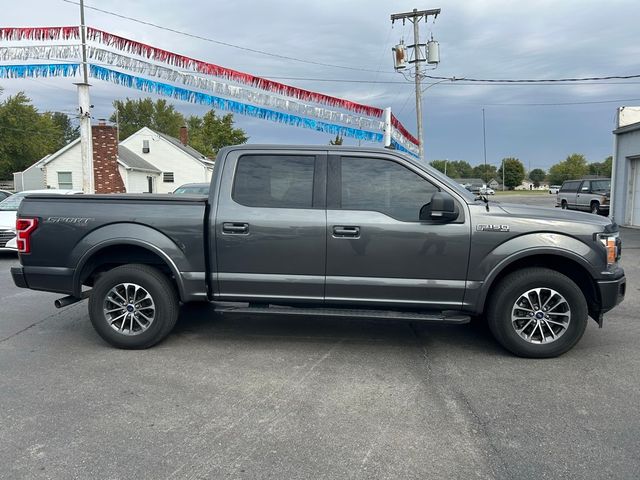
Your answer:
<point x="417" y="58"/>
<point x="503" y="174"/>
<point x="84" y="108"/>
<point x="387" y="127"/>
<point x="484" y="144"/>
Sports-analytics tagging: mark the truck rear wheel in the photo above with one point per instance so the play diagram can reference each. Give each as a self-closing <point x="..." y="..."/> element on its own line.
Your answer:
<point x="133" y="306"/>
<point x="537" y="313"/>
<point x="595" y="208"/>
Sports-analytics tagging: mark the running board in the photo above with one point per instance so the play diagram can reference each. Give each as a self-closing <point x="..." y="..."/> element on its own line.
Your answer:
<point x="448" y="316"/>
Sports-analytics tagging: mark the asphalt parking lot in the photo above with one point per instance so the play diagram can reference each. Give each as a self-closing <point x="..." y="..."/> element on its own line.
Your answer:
<point x="284" y="398"/>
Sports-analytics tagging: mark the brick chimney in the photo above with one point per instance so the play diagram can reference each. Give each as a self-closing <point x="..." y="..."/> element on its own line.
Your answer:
<point x="107" y="178"/>
<point x="184" y="135"/>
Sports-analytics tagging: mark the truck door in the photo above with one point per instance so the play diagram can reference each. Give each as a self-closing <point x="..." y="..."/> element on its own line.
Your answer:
<point x="270" y="226"/>
<point x="378" y="251"/>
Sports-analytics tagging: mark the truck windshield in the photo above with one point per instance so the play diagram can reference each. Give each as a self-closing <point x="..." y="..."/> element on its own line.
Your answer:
<point x="11" y="203"/>
<point x="601" y="185"/>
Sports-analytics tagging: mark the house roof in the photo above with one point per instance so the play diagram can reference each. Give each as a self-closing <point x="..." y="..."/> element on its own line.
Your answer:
<point x="185" y="148"/>
<point x="130" y="160"/>
<point x="54" y="155"/>
<point x="632" y="127"/>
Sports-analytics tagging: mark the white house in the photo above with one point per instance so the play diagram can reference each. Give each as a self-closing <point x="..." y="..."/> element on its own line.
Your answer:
<point x="166" y="163"/>
<point x="147" y="161"/>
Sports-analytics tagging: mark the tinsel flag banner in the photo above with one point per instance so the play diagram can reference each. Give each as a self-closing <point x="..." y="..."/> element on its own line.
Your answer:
<point x="233" y="106"/>
<point x="42" y="52"/>
<point x="39" y="33"/>
<point x="164" y="56"/>
<point x="34" y="71"/>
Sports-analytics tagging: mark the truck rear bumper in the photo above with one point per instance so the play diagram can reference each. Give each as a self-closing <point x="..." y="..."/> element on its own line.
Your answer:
<point x="611" y="293"/>
<point x="48" y="279"/>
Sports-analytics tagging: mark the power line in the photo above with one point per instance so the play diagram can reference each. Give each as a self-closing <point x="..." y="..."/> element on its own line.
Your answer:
<point x="226" y="44"/>
<point x="560" y="104"/>
<point x="539" y="80"/>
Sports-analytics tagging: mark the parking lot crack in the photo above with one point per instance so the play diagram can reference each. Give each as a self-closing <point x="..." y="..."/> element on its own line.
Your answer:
<point x="29" y="327"/>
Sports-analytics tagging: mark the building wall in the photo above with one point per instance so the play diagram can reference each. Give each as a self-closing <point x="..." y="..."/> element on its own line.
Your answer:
<point x="167" y="158"/>
<point x="628" y="147"/>
<point x="69" y="161"/>
<point x="136" y="181"/>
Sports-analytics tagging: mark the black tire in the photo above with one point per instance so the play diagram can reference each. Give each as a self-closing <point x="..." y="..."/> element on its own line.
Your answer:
<point x="163" y="303"/>
<point x="563" y="205"/>
<point x="595" y="208"/>
<point x="511" y="288"/>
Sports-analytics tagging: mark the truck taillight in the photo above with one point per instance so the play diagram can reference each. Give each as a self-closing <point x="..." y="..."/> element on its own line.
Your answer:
<point x="24" y="228"/>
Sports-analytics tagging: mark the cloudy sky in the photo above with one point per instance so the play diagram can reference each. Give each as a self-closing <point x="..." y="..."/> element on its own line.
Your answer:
<point x="484" y="39"/>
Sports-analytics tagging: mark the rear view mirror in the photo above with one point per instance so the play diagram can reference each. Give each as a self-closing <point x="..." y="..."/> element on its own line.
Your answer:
<point x="441" y="208"/>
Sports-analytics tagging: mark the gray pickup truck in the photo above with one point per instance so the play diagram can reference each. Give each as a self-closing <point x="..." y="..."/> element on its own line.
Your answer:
<point x="587" y="195"/>
<point x="324" y="231"/>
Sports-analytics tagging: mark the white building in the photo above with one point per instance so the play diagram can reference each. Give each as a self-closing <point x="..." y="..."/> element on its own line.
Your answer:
<point x="156" y="160"/>
<point x="625" y="175"/>
<point x="147" y="161"/>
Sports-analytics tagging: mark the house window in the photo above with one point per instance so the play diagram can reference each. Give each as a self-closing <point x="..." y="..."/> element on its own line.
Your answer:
<point x="145" y="146"/>
<point x="167" y="177"/>
<point x="65" y="181"/>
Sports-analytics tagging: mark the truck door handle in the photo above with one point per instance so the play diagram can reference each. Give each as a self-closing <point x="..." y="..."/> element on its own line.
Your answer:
<point x="343" y="231"/>
<point x="235" y="228"/>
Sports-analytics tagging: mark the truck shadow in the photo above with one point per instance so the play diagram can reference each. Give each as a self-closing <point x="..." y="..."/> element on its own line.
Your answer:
<point x="201" y="323"/>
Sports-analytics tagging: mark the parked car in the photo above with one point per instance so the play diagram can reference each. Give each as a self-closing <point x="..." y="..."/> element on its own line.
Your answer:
<point x="591" y="195"/>
<point x="553" y="189"/>
<point x="324" y="231"/>
<point x="4" y="194"/>
<point x="8" y="209"/>
<point x="487" y="191"/>
<point x="192" y="189"/>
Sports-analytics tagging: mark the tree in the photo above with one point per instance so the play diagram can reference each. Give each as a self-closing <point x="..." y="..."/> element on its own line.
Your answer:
<point x="574" y="166"/>
<point x="68" y="132"/>
<point x="132" y="115"/>
<point x="445" y="167"/>
<point x="601" y="169"/>
<point x="537" y="176"/>
<point x="337" y="141"/>
<point x="485" y="172"/>
<point x="25" y="135"/>
<point x="513" y="172"/>
<point x="462" y="168"/>
<point x="211" y="133"/>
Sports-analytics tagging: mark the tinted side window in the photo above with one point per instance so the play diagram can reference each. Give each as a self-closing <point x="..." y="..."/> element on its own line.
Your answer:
<point x="383" y="186"/>
<point x="585" y="186"/>
<point x="570" y="186"/>
<point x="281" y="181"/>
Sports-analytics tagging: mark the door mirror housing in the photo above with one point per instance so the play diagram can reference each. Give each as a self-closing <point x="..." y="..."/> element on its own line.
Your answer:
<point x="441" y="208"/>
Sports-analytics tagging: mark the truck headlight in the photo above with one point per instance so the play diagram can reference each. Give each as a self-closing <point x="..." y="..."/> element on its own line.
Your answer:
<point x="612" y="245"/>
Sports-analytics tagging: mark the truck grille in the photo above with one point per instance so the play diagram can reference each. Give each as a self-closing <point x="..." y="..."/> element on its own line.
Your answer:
<point x="5" y="236"/>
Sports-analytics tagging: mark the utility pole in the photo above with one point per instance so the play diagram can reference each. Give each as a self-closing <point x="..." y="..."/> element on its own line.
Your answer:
<point x="422" y="52"/>
<point x="84" y="109"/>
<point x="484" y="144"/>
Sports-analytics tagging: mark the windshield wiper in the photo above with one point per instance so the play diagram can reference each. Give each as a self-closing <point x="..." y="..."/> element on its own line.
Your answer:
<point x="484" y="199"/>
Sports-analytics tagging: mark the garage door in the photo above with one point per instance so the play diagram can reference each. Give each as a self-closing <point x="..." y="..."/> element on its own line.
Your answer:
<point x="635" y="193"/>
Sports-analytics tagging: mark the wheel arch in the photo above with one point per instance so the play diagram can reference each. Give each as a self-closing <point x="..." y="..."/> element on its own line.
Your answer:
<point x="109" y="254"/>
<point x="561" y="261"/>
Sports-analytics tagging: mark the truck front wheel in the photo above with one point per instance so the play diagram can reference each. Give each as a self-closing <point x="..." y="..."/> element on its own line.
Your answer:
<point x="133" y="306"/>
<point x="537" y="313"/>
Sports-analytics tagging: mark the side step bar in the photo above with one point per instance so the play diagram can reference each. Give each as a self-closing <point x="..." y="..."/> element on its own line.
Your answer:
<point x="448" y="316"/>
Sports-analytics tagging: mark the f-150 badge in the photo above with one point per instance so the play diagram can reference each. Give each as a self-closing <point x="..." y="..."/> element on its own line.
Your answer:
<point x="483" y="227"/>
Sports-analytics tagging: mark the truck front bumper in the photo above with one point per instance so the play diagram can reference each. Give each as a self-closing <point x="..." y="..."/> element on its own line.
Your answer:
<point x="611" y="293"/>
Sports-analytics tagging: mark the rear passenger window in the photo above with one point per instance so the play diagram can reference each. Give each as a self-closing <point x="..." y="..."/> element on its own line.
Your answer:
<point x="570" y="186"/>
<point x="276" y="181"/>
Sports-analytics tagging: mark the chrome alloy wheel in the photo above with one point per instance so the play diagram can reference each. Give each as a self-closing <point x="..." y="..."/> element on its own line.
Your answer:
<point x="129" y="309"/>
<point x="541" y="315"/>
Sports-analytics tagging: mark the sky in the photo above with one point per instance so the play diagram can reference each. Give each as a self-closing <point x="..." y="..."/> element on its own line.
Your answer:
<point x="481" y="39"/>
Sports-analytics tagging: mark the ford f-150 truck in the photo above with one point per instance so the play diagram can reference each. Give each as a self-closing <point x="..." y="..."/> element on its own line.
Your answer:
<point x="324" y="231"/>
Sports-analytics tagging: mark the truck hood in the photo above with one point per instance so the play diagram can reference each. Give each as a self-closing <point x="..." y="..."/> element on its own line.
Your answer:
<point x="557" y="214"/>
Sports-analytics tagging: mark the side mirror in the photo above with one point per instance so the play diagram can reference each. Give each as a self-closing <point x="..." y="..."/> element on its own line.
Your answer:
<point x="441" y="208"/>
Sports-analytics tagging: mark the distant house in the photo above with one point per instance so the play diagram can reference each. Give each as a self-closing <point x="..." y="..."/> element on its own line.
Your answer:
<point x="493" y="183"/>
<point x="150" y="161"/>
<point x="147" y="161"/>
